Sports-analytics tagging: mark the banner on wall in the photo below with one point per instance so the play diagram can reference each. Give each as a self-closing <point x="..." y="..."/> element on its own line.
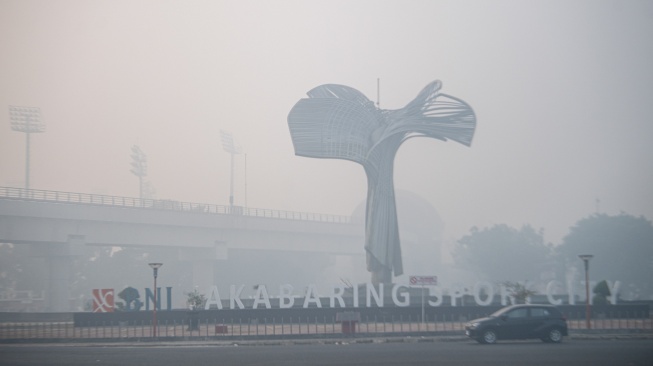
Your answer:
<point x="129" y="299"/>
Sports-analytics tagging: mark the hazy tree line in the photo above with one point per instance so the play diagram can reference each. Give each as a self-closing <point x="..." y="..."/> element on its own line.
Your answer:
<point x="622" y="246"/>
<point x="91" y="267"/>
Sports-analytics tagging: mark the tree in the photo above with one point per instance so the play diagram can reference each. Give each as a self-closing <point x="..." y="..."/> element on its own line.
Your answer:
<point x="92" y="267"/>
<point x="20" y="270"/>
<point x="118" y="268"/>
<point x="131" y="300"/>
<point x="195" y="300"/>
<point x="107" y="267"/>
<point x="503" y="253"/>
<point x="601" y="293"/>
<point x="622" y="246"/>
<point x="519" y="291"/>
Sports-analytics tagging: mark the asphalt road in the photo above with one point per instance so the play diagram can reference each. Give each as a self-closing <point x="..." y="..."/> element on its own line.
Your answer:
<point x="572" y="352"/>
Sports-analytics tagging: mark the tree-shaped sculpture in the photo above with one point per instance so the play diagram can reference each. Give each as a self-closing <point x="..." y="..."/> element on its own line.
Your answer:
<point x="337" y="121"/>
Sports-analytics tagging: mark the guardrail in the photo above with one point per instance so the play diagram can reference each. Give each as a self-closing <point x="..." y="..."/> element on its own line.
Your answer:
<point x="274" y="328"/>
<point x="146" y="203"/>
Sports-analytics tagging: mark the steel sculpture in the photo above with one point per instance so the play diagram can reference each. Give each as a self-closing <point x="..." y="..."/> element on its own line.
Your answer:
<point x="339" y="122"/>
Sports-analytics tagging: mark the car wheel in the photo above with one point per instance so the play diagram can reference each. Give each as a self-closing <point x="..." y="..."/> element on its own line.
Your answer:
<point x="489" y="337"/>
<point x="554" y="336"/>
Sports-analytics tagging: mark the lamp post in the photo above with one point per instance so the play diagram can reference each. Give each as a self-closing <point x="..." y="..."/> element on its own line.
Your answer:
<point x="155" y="268"/>
<point x="586" y="259"/>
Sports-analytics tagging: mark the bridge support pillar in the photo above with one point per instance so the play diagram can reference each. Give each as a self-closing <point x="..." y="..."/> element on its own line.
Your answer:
<point x="203" y="274"/>
<point x="58" y="262"/>
<point x="202" y="261"/>
<point x="58" y="293"/>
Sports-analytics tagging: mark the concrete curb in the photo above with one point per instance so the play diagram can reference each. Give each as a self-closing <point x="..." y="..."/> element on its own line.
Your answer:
<point x="317" y="341"/>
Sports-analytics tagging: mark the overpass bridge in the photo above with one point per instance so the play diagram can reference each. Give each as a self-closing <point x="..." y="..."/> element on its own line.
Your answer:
<point x="56" y="223"/>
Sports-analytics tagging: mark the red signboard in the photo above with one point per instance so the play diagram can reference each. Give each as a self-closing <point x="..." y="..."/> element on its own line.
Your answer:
<point x="103" y="300"/>
<point x="423" y="280"/>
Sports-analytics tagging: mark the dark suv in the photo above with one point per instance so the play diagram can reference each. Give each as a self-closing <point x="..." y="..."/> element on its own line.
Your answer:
<point x="545" y="322"/>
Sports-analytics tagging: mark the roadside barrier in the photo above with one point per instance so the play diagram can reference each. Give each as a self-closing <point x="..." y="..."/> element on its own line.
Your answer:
<point x="275" y="328"/>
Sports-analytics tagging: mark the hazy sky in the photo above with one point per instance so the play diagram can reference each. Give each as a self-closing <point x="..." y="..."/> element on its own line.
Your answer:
<point x="562" y="90"/>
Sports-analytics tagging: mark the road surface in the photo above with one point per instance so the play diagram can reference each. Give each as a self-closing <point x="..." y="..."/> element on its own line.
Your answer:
<point x="635" y="352"/>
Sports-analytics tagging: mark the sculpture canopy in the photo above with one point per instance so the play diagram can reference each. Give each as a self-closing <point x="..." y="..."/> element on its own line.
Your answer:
<point x="339" y="122"/>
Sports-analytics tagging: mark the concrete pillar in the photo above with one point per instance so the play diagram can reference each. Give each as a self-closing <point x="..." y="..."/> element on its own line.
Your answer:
<point x="57" y="297"/>
<point x="58" y="262"/>
<point x="203" y="274"/>
<point x="202" y="261"/>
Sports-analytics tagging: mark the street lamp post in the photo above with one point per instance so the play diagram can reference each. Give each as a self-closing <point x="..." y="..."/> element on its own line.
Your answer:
<point x="155" y="268"/>
<point x="586" y="259"/>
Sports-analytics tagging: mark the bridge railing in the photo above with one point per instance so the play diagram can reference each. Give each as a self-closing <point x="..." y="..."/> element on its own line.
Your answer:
<point x="146" y="203"/>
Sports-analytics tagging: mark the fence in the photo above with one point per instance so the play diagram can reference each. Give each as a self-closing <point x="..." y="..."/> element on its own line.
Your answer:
<point x="276" y="328"/>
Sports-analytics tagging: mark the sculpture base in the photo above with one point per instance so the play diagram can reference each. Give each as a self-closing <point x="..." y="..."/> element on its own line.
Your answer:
<point x="381" y="276"/>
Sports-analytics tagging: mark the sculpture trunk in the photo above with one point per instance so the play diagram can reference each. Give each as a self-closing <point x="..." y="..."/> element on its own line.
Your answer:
<point x="382" y="243"/>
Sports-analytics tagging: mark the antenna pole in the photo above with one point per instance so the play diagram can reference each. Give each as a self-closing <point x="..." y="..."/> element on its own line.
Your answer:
<point x="231" y="185"/>
<point x="378" y="93"/>
<point x="245" y="180"/>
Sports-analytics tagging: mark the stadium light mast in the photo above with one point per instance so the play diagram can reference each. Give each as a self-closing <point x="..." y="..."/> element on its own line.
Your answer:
<point x="28" y="121"/>
<point x="139" y="167"/>
<point x="229" y="146"/>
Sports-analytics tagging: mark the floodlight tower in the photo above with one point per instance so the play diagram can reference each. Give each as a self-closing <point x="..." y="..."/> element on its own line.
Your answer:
<point x="229" y="146"/>
<point x="28" y="121"/>
<point x="139" y="167"/>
